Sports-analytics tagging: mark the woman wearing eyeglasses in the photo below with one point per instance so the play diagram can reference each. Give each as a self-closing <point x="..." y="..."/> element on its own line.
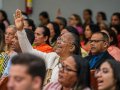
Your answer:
<point x="73" y="75"/>
<point x="108" y="75"/>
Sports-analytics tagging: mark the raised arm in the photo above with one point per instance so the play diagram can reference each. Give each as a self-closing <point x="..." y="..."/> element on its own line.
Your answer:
<point x="22" y="37"/>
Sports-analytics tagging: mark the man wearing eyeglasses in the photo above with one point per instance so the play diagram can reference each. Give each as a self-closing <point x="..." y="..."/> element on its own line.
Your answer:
<point x="99" y="43"/>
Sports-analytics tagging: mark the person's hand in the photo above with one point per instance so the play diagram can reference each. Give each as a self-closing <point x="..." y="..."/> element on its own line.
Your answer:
<point x="18" y="20"/>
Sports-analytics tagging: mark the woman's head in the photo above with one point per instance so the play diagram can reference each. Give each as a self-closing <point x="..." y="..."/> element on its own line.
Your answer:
<point x="71" y="72"/>
<point x="3" y="15"/>
<point x="29" y="24"/>
<point x="90" y="29"/>
<point x="108" y="75"/>
<point x="61" y="21"/>
<point x="75" y="20"/>
<point x="115" y="19"/>
<point x="9" y="34"/>
<point x="69" y="42"/>
<point x="101" y="16"/>
<point x="42" y="35"/>
<point x="54" y="31"/>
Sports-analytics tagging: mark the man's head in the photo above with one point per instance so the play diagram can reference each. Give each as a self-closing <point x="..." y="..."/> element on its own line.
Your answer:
<point x="44" y="18"/>
<point x="99" y="42"/>
<point x="26" y="73"/>
<point x="15" y="43"/>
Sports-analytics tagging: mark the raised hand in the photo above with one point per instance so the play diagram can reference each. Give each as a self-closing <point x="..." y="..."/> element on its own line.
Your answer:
<point x="18" y="20"/>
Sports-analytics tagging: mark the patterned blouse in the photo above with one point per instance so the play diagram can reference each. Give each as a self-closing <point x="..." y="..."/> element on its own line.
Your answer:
<point x="3" y="62"/>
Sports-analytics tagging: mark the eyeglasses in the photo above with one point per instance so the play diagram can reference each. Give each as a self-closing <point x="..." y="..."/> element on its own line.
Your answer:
<point x="65" y="68"/>
<point x="96" y="41"/>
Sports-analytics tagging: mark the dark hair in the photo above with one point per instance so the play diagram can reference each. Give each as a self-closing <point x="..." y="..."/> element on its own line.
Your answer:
<point x="56" y="30"/>
<point x="105" y="36"/>
<point x="31" y="23"/>
<point x="83" y="72"/>
<point x="30" y="35"/>
<point x="25" y="15"/>
<point x="45" y="15"/>
<point x="115" y="65"/>
<point x="2" y="27"/>
<point x="5" y="16"/>
<point x="94" y="28"/>
<point x="71" y="29"/>
<point x="36" y="65"/>
<point x="116" y="14"/>
<point x="63" y="21"/>
<point x="76" y="39"/>
<point x="46" y="32"/>
<point x="2" y="41"/>
<point x="103" y="15"/>
<point x="77" y="17"/>
<point x="114" y="37"/>
<point x="89" y="11"/>
<point x="117" y="28"/>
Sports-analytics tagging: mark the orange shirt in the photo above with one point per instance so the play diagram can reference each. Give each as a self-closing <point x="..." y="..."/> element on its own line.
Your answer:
<point x="44" y="48"/>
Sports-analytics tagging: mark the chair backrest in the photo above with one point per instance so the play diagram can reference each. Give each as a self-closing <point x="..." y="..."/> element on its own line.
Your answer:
<point x="93" y="81"/>
<point x="3" y="83"/>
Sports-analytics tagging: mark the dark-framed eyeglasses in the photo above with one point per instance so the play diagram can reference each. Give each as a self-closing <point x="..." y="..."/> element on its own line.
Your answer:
<point x="64" y="68"/>
<point x="96" y="41"/>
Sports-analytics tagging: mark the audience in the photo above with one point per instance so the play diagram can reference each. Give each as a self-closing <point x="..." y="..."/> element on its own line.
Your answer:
<point x="101" y="18"/>
<point x="26" y="73"/>
<point x="61" y="45"/>
<point x="61" y="21"/>
<point x="75" y="21"/>
<point x="29" y="24"/>
<point x="4" y="18"/>
<point x="115" y="19"/>
<point x="73" y="75"/>
<point x="9" y="35"/>
<point x="89" y="30"/>
<point x="54" y="32"/>
<point x="44" y="18"/>
<point x="16" y="48"/>
<point x="3" y="56"/>
<point x="41" y="42"/>
<point x="87" y="16"/>
<point x="66" y="46"/>
<point x="108" y="75"/>
<point x="99" y="43"/>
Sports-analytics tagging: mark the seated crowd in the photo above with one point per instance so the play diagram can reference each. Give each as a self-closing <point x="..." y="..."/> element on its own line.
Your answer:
<point x="60" y="54"/>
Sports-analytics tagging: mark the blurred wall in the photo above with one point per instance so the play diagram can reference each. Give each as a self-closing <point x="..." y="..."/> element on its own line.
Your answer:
<point x="67" y="7"/>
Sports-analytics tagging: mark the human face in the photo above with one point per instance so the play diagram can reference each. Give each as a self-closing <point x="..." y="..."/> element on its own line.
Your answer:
<point x="51" y="28"/>
<point x="59" y="23"/>
<point x="68" y="72"/>
<point x="86" y="15"/>
<point x="105" y="77"/>
<point x="19" y="79"/>
<point x="88" y="32"/>
<point x="115" y="20"/>
<point x="72" y="21"/>
<point x="43" y="20"/>
<point x="99" y="18"/>
<point x="97" y="44"/>
<point x="26" y="25"/>
<point x="64" y="45"/>
<point x="9" y="35"/>
<point x="39" y="37"/>
<point x="15" y="44"/>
